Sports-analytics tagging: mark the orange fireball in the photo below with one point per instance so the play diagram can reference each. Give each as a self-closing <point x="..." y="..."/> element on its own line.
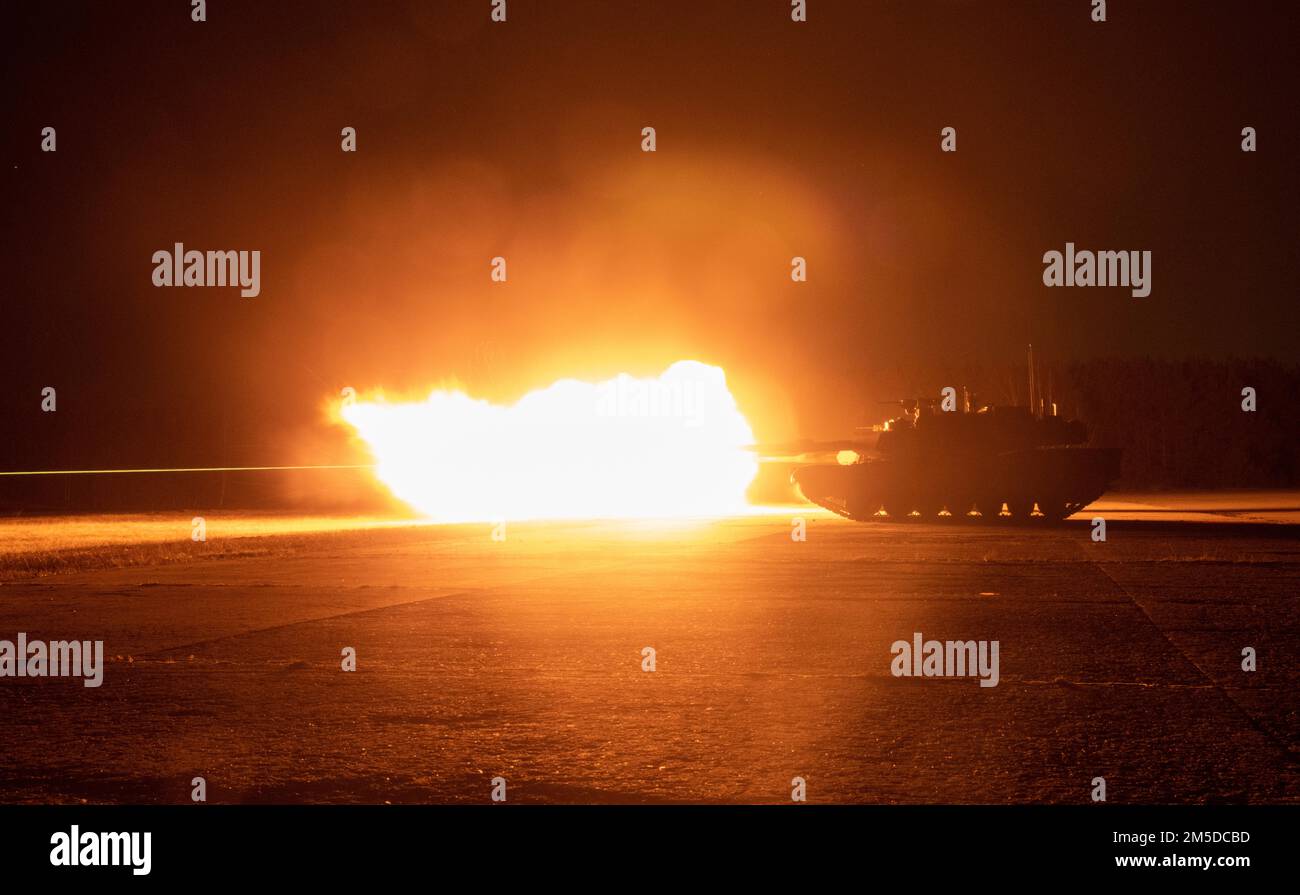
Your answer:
<point x="672" y="446"/>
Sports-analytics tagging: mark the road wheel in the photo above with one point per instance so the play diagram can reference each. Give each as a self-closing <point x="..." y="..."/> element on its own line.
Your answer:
<point x="960" y="505"/>
<point x="930" y="510"/>
<point x="898" y="511"/>
<point x="862" y="506"/>
<point x="1054" y="509"/>
<point x="1021" y="508"/>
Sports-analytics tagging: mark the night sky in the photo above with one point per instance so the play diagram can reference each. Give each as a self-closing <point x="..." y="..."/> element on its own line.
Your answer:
<point x="523" y="140"/>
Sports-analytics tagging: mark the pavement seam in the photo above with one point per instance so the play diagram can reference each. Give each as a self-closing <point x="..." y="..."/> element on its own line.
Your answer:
<point x="1287" y="751"/>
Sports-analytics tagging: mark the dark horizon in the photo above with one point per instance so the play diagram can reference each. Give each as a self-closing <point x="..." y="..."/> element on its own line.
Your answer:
<point x="523" y="142"/>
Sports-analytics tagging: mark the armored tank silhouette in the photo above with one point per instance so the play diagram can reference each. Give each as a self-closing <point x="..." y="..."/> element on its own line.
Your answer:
<point x="965" y="461"/>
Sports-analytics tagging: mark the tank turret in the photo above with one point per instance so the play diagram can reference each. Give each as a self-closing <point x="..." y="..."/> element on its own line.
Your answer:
<point x="944" y="457"/>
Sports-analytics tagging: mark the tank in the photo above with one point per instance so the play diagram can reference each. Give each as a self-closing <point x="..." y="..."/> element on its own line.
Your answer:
<point x="945" y="458"/>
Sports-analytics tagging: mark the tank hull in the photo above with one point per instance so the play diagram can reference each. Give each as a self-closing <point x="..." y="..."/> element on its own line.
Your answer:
<point x="1058" y="481"/>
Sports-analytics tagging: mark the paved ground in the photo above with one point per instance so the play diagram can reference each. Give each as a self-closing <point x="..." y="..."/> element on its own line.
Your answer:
<point x="522" y="659"/>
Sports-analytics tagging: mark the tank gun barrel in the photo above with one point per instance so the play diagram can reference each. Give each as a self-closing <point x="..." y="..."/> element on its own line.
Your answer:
<point x="793" y="451"/>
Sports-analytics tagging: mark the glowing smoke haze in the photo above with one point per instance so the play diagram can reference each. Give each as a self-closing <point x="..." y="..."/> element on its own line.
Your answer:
<point x="667" y="447"/>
